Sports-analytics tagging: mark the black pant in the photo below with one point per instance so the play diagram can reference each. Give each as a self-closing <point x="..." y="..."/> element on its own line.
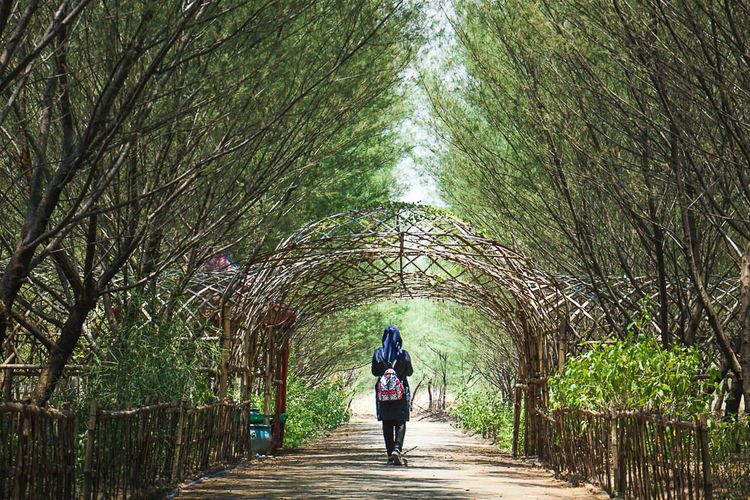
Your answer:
<point x="394" y="432"/>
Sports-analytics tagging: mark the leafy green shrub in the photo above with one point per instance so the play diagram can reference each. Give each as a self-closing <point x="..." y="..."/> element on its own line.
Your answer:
<point x="158" y="361"/>
<point x="486" y="412"/>
<point x="312" y="411"/>
<point x="635" y="373"/>
<point x="729" y="436"/>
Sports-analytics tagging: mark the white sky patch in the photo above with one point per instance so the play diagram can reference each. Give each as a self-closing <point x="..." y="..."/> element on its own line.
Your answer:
<point x="418" y="184"/>
<point x="418" y="187"/>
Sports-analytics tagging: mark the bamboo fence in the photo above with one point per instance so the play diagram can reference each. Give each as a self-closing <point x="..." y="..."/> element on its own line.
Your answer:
<point x="130" y="452"/>
<point x="214" y="434"/>
<point x="140" y="452"/>
<point x="730" y="460"/>
<point x="143" y="451"/>
<point x="579" y="444"/>
<point x="631" y="454"/>
<point x="37" y="452"/>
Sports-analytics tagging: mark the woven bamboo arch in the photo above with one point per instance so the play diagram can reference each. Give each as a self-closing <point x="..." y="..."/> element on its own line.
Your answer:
<point x="396" y="251"/>
<point x="406" y="251"/>
<point x="402" y="251"/>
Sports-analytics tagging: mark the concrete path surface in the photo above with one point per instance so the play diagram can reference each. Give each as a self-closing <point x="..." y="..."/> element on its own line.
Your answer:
<point x="351" y="463"/>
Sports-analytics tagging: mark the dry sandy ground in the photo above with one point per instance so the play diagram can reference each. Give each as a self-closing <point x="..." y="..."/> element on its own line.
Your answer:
<point x="350" y="463"/>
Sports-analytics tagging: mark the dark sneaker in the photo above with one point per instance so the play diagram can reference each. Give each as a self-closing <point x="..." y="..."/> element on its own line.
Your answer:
<point x="396" y="457"/>
<point x="390" y="461"/>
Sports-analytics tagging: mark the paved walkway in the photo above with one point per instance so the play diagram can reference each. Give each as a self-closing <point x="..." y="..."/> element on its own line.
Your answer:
<point x="350" y="463"/>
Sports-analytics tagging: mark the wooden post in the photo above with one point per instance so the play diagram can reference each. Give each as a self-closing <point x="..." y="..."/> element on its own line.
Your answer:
<point x="280" y="407"/>
<point x="88" y="462"/>
<point x="541" y="396"/>
<point x="708" y="490"/>
<point x="531" y="401"/>
<point x="245" y="430"/>
<point x="745" y="324"/>
<point x="248" y="358"/>
<point x="445" y="380"/>
<point x="607" y="438"/>
<point x="252" y="359"/>
<point x="141" y="440"/>
<point x="177" y="459"/>
<point x="269" y="374"/>
<point x="562" y="344"/>
<point x="19" y="490"/>
<point x="6" y="378"/>
<point x="530" y="367"/>
<point x="516" y="419"/>
<point x="226" y="338"/>
<point x="618" y="452"/>
<point x="225" y="410"/>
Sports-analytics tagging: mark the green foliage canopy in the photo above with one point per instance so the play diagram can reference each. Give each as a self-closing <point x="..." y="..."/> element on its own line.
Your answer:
<point x="634" y="374"/>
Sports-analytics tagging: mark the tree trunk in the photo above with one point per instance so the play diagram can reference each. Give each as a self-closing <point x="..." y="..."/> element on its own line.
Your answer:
<point x="12" y="279"/>
<point x="4" y="320"/>
<point x="745" y="325"/>
<point x="661" y="272"/>
<point x="734" y="395"/>
<point x="691" y="246"/>
<point x="696" y="314"/>
<point x="445" y="388"/>
<point x="71" y="332"/>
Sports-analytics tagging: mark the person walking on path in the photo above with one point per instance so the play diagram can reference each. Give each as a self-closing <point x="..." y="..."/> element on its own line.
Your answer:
<point x="392" y="410"/>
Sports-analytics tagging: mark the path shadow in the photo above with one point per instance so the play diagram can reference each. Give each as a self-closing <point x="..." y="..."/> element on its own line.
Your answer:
<point x="349" y="463"/>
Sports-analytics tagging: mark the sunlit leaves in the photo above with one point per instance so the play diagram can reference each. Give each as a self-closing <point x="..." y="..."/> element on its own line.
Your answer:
<point x="634" y="374"/>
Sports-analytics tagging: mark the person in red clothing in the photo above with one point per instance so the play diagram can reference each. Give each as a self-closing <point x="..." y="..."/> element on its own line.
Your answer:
<point x="393" y="414"/>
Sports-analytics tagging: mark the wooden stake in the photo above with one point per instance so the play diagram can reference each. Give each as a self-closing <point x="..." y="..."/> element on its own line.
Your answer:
<point x="280" y="407"/>
<point x="708" y="490"/>
<point x="176" y="460"/>
<point x="226" y="338"/>
<point x="247" y="360"/>
<point x="618" y="452"/>
<point x="252" y="360"/>
<point x="541" y="396"/>
<point x="562" y="342"/>
<point x="88" y="463"/>
<point x="516" y="419"/>
<point x="269" y="374"/>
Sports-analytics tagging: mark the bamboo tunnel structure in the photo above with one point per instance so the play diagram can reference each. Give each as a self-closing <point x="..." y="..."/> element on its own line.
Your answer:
<point x="396" y="251"/>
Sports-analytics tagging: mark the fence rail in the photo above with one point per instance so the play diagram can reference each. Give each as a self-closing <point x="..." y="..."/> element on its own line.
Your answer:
<point x="142" y="451"/>
<point x="130" y="453"/>
<point x="632" y="454"/>
<point x="37" y="452"/>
